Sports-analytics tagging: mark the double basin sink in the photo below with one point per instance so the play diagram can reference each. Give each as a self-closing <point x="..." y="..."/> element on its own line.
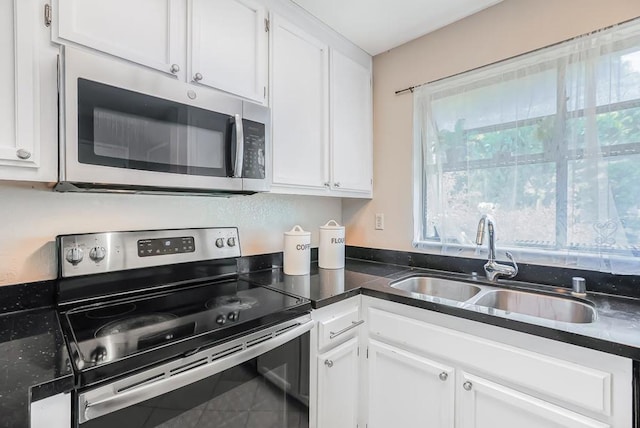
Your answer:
<point x="551" y="307"/>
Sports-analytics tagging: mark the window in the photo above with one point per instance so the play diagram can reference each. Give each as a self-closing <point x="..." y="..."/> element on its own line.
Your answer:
<point x="547" y="143"/>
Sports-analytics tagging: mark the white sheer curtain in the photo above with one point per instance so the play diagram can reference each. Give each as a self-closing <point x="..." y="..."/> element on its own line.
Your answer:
<point x="548" y="143"/>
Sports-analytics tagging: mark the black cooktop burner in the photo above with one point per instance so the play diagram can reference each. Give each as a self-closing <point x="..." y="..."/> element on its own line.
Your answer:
<point x="111" y="311"/>
<point x="113" y="336"/>
<point x="132" y="323"/>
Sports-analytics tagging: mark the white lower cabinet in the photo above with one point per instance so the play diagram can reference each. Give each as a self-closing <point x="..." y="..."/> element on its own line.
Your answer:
<point x="426" y="369"/>
<point x="336" y="365"/>
<point x="338" y="384"/>
<point x="485" y="404"/>
<point x="406" y="390"/>
<point x="51" y="412"/>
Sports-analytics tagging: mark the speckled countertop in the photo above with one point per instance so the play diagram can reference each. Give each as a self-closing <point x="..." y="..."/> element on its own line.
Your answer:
<point x="34" y="363"/>
<point x="616" y="329"/>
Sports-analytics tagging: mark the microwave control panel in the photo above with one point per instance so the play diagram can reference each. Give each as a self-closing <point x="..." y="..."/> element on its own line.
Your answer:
<point x="254" y="149"/>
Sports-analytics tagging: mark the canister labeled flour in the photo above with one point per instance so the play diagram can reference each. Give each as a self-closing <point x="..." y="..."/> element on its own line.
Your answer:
<point x="297" y="251"/>
<point x="331" y="252"/>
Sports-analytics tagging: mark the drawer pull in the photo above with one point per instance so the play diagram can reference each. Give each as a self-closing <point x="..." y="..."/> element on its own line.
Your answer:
<point x="467" y="386"/>
<point x="443" y="376"/>
<point x="328" y="363"/>
<point x="354" y="324"/>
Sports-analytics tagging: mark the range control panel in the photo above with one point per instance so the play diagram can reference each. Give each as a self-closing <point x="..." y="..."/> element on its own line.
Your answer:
<point x="93" y="253"/>
<point x="164" y="246"/>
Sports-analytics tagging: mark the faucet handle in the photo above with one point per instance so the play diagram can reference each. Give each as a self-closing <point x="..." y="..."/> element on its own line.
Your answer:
<point x="515" y="265"/>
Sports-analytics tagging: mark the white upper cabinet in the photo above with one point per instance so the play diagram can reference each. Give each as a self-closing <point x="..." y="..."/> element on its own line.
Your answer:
<point x="300" y="102"/>
<point x="227" y="39"/>
<point x="229" y="42"/>
<point x="28" y="136"/>
<point x="322" y="120"/>
<point x="147" y="32"/>
<point x="351" y="125"/>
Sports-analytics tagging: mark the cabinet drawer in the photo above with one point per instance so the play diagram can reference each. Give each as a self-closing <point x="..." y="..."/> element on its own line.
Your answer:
<point x="339" y="328"/>
<point x="561" y="381"/>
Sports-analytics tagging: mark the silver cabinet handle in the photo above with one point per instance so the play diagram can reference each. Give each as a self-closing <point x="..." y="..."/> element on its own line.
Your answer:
<point x="336" y="184"/>
<point x="354" y="324"/>
<point x="467" y="386"/>
<point x="327" y="184"/>
<point x="197" y="77"/>
<point x="328" y="363"/>
<point x="443" y="376"/>
<point x="23" y="154"/>
<point x="175" y="68"/>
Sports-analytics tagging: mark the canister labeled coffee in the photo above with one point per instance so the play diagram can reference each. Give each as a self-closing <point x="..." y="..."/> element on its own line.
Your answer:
<point x="331" y="251"/>
<point x="297" y="251"/>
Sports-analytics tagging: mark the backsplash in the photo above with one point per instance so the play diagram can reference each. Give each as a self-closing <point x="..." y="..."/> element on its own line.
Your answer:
<point x="602" y="282"/>
<point x="33" y="216"/>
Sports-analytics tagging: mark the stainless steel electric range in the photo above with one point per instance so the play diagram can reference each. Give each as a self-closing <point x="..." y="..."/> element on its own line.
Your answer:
<point x="162" y="333"/>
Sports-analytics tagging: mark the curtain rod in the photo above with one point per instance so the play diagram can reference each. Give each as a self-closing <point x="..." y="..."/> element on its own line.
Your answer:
<point x="412" y="88"/>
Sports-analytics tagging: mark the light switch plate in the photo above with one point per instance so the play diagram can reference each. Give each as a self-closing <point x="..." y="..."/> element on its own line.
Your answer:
<point x="379" y="221"/>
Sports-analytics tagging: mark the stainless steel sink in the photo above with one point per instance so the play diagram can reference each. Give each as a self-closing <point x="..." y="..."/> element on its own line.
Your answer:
<point x="436" y="287"/>
<point x="538" y="305"/>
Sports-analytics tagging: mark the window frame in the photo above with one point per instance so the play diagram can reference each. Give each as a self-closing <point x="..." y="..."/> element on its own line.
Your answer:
<point x="562" y="254"/>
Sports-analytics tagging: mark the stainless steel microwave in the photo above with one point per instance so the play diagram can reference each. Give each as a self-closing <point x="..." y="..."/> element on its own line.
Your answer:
<point x="128" y="129"/>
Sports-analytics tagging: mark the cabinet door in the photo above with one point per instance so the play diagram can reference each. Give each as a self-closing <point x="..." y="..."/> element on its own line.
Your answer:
<point x="351" y="125"/>
<point x="52" y="412"/>
<point x="484" y="404"/>
<point x="147" y="32"/>
<point x="229" y="46"/>
<point x="408" y="391"/>
<point x="338" y="386"/>
<point x="300" y="107"/>
<point x="21" y="105"/>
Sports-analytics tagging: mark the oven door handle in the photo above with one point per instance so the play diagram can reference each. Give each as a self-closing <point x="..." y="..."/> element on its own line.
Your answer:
<point x="119" y="400"/>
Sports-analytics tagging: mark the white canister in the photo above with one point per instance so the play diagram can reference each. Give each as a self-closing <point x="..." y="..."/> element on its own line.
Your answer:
<point x="297" y="251"/>
<point x="331" y="252"/>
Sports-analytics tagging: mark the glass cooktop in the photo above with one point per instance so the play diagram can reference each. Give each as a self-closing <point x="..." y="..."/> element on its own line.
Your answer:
<point x="107" y="332"/>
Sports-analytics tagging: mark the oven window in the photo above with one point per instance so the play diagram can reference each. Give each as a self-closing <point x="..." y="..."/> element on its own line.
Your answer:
<point x="125" y="129"/>
<point x="270" y="391"/>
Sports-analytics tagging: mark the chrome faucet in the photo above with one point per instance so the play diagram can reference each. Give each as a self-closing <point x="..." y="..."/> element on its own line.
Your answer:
<point x="492" y="268"/>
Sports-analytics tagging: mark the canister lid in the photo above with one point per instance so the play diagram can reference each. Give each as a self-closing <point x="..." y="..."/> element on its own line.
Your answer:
<point x="297" y="231"/>
<point x="329" y="226"/>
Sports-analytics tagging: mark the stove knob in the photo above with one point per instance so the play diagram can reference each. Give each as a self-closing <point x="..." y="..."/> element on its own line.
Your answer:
<point x="233" y="316"/>
<point x="220" y="242"/>
<point x="231" y="242"/>
<point x="221" y="319"/>
<point x="97" y="254"/>
<point x="74" y="255"/>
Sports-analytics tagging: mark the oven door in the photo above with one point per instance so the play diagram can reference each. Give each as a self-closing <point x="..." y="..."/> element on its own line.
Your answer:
<point x="128" y="127"/>
<point x="259" y="380"/>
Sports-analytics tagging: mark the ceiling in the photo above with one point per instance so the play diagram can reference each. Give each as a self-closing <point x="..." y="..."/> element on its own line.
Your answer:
<point x="379" y="25"/>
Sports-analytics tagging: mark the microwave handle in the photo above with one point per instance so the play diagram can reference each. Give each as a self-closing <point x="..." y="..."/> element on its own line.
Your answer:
<point x="237" y="168"/>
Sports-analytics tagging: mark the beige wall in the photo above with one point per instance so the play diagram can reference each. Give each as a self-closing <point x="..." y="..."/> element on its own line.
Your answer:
<point x="32" y="216"/>
<point x="502" y="31"/>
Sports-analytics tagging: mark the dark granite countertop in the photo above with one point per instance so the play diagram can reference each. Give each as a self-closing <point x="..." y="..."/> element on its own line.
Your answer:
<point x="616" y="329"/>
<point x="34" y="363"/>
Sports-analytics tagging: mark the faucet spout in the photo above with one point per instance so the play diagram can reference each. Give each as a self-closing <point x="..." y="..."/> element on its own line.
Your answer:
<point x="493" y="269"/>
